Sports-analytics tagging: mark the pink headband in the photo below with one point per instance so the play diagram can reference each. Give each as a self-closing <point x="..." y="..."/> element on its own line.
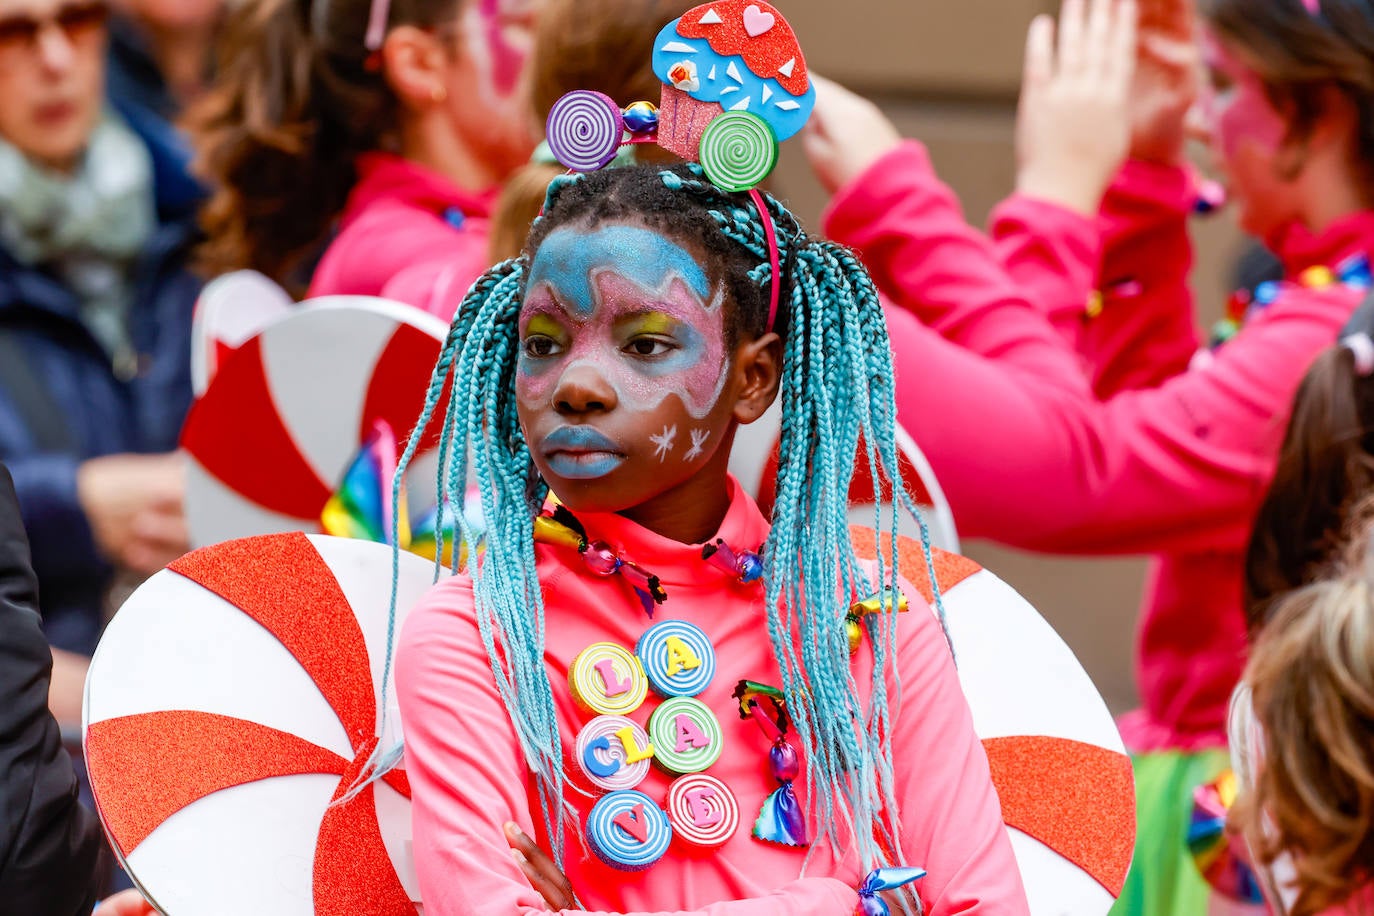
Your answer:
<point x="774" y="261"/>
<point x="1313" y="6"/>
<point x="376" y="24"/>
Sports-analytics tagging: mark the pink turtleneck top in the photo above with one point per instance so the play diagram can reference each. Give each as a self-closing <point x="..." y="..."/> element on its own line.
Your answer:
<point x="468" y="775"/>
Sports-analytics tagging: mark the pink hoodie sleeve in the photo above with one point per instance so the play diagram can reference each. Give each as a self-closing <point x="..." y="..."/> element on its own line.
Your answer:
<point x="1143" y="330"/>
<point x="1047" y="465"/>
<point x="464" y="764"/>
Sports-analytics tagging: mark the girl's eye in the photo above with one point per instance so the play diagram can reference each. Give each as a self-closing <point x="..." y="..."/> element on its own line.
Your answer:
<point x="650" y="346"/>
<point x="1220" y="80"/>
<point x="540" y="346"/>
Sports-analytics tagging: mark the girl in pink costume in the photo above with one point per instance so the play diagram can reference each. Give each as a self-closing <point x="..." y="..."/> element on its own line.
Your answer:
<point x="1098" y="430"/>
<point x="613" y="362"/>
<point x="378" y="132"/>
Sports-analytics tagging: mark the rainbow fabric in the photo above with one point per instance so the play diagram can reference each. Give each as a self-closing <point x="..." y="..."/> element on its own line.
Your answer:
<point x="362" y="508"/>
<point x="1221" y="856"/>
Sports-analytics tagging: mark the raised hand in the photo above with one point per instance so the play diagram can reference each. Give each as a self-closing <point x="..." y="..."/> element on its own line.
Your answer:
<point x="1167" y="79"/>
<point x="846" y="134"/>
<point x="1073" y="127"/>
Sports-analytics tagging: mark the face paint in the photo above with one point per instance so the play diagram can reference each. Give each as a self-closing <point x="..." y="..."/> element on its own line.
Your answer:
<point x="699" y="437"/>
<point x="570" y="262"/>
<point x="623" y="357"/>
<point x="1239" y="107"/>
<point x="498" y="37"/>
<point x="629" y="306"/>
<point x="663" y="442"/>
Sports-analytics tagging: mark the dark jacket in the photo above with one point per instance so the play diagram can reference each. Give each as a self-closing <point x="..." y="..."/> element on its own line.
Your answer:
<point x="50" y="845"/>
<point x="62" y="400"/>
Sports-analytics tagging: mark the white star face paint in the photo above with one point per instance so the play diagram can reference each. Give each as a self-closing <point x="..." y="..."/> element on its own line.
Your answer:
<point x="699" y="438"/>
<point x="663" y="442"/>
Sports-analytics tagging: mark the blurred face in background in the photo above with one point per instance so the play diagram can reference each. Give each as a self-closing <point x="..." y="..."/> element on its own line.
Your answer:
<point x="172" y="15"/>
<point x="486" y="82"/>
<point x="52" y="77"/>
<point x="1247" y="136"/>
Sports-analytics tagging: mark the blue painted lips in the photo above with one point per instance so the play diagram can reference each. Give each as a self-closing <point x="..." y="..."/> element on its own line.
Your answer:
<point x="580" y="453"/>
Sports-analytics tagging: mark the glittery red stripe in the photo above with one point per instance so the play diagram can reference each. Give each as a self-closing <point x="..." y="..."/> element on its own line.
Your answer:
<point x="353" y="870"/>
<point x="950" y="568"/>
<point x="147" y="767"/>
<point x="1076" y="798"/>
<point x="281" y="581"/>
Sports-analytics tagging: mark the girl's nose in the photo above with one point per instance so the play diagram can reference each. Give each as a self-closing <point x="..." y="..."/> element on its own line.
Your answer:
<point x="583" y="388"/>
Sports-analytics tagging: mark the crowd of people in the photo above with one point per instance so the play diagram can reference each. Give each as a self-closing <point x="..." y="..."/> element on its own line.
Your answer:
<point x="393" y="148"/>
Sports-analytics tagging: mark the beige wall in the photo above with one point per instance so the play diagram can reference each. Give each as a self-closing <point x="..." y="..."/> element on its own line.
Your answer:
<point x="947" y="72"/>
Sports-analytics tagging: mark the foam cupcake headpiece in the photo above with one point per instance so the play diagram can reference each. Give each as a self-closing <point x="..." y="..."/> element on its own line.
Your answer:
<point x="735" y="85"/>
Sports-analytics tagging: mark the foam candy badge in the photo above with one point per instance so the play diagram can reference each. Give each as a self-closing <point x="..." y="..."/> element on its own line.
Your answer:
<point x="730" y="56"/>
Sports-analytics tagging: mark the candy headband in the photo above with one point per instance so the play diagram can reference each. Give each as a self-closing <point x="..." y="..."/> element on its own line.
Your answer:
<point x="740" y="53"/>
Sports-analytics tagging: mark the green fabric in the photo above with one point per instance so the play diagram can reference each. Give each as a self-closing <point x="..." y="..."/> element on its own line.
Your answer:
<point x="1163" y="880"/>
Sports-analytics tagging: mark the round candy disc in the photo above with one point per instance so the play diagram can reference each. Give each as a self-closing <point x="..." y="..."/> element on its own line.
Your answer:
<point x="703" y="810"/>
<point x="677" y="657"/>
<point x="607" y="680"/>
<point x="738" y="150"/>
<point x="584" y="130"/>
<point x="614" y="752"/>
<point x="686" y="735"/>
<point x="628" y="831"/>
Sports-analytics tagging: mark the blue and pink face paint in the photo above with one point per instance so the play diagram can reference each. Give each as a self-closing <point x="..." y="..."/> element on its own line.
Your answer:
<point x="1240" y="114"/>
<point x="599" y="295"/>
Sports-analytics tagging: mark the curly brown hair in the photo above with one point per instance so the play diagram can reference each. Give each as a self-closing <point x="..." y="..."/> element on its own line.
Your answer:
<point x="1311" y="676"/>
<point x="297" y="97"/>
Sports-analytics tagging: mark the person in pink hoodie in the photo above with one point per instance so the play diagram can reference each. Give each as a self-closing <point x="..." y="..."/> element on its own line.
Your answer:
<point x="611" y="364"/>
<point x="382" y="129"/>
<point x="1069" y="333"/>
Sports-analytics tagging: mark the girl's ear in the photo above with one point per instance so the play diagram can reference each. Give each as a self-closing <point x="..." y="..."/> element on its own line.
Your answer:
<point x="758" y="366"/>
<point x="414" y="66"/>
<point x="1331" y="135"/>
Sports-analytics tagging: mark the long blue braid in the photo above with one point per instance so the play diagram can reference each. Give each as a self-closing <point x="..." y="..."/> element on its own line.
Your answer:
<point x="837" y="397"/>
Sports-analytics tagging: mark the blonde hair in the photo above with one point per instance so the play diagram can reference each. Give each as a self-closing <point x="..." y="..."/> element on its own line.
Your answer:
<point x="1311" y="674"/>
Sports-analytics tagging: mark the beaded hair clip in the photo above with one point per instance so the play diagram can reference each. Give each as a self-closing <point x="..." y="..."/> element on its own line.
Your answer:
<point x="735" y="86"/>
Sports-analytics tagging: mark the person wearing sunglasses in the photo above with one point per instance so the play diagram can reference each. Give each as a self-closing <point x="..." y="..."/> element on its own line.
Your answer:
<point x="95" y="308"/>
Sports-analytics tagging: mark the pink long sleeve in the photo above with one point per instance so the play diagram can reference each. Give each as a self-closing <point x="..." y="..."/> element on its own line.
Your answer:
<point x="465" y="767"/>
<point x="1144" y="329"/>
<point x="1046" y="465"/>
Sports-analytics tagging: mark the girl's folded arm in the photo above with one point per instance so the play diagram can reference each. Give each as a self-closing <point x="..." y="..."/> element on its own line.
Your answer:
<point x="468" y="778"/>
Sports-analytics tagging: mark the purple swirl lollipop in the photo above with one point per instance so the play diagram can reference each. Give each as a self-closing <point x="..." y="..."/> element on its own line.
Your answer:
<point x="584" y="130"/>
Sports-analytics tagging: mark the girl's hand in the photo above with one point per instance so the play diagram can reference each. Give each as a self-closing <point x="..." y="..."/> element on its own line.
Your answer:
<point x="1073" y="127"/>
<point x="1167" y="79"/>
<point x="845" y="135"/>
<point x="540" y="870"/>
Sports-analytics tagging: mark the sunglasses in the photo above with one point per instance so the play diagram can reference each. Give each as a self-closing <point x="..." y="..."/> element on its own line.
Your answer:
<point x="77" y="21"/>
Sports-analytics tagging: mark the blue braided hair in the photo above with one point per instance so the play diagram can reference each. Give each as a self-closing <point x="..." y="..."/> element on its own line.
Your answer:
<point x="837" y="398"/>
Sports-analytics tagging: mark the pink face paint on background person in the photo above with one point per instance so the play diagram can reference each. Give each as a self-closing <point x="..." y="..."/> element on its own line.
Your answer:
<point x="1246" y="134"/>
<point x="498" y="36"/>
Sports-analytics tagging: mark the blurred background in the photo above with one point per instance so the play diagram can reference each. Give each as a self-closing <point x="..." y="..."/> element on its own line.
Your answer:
<point x="948" y="71"/>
